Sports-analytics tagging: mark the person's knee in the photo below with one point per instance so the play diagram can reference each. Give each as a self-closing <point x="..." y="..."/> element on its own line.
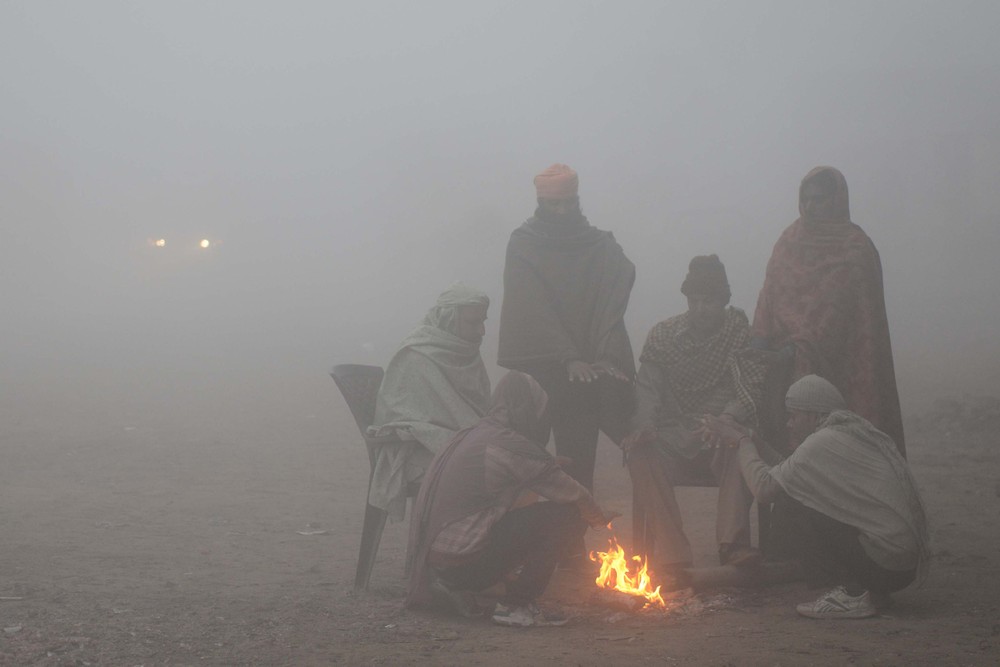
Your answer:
<point x="564" y="513"/>
<point x="647" y="468"/>
<point x="549" y="513"/>
<point x="564" y="521"/>
<point x="639" y="460"/>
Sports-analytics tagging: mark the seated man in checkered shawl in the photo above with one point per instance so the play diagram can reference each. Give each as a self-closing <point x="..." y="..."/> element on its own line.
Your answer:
<point x="694" y="365"/>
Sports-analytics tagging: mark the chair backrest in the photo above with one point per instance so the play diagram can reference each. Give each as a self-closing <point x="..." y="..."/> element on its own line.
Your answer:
<point x="359" y="384"/>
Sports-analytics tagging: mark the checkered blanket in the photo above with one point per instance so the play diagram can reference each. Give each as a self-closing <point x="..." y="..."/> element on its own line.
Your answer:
<point x="697" y="366"/>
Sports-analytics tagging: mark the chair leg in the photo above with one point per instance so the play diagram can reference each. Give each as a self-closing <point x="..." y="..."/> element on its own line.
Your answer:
<point x="371" y="536"/>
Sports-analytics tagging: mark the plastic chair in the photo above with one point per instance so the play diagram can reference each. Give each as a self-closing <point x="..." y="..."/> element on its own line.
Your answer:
<point x="359" y="385"/>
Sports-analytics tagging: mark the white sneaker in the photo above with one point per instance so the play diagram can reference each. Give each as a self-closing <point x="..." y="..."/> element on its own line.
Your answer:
<point x="838" y="604"/>
<point x="513" y="617"/>
<point x="526" y="616"/>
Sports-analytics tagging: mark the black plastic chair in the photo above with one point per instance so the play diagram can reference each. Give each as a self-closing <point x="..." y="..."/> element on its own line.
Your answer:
<point x="359" y="385"/>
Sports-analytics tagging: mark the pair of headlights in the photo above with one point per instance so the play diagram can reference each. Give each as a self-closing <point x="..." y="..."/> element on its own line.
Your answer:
<point x="203" y="244"/>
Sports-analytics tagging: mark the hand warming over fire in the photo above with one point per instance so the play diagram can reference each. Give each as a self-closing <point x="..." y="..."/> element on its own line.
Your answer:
<point x="610" y="516"/>
<point x="719" y="432"/>
<point x="640" y="437"/>
<point x="603" y="518"/>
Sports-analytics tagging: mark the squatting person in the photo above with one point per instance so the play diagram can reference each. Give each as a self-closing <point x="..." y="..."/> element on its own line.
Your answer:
<point x="857" y="517"/>
<point x="474" y="525"/>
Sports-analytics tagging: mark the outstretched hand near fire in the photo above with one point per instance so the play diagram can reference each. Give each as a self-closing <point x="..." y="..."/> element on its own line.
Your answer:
<point x="637" y="438"/>
<point x="721" y="432"/>
<point x="607" y="516"/>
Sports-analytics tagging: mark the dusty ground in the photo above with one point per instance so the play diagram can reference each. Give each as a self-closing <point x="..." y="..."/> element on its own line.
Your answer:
<point x="140" y="534"/>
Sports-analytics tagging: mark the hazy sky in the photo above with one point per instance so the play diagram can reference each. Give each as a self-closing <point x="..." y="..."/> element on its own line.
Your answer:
<point x="350" y="160"/>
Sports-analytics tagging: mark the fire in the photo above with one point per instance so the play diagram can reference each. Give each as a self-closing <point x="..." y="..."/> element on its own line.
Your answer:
<point x="619" y="574"/>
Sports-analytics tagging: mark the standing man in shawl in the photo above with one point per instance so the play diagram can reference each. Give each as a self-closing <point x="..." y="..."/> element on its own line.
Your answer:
<point x="434" y="386"/>
<point x="822" y="309"/>
<point x="692" y="365"/>
<point x="566" y="287"/>
<point x="859" y="522"/>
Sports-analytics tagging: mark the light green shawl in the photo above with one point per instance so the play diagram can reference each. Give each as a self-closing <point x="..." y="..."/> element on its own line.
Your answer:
<point x="852" y="472"/>
<point x="434" y="386"/>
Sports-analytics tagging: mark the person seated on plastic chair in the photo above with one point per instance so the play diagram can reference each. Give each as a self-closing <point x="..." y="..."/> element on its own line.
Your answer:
<point x="470" y="528"/>
<point x="434" y="386"/>
<point x="694" y="364"/>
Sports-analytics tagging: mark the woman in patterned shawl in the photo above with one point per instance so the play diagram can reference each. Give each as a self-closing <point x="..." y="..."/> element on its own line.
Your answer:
<point x="822" y="307"/>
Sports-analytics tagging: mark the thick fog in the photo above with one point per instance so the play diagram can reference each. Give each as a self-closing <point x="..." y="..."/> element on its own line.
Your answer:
<point x="347" y="162"/>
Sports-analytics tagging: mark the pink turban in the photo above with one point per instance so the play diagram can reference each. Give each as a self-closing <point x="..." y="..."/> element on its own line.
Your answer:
<point x="557" y="182"/>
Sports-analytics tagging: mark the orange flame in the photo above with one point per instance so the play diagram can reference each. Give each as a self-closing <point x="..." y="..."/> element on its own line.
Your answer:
<point x="618" y="574"/>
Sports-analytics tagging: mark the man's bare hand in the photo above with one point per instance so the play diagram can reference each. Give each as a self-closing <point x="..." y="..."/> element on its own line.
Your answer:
<point x="607" y="368"/>
<point x="720" y="432"/>
<point x="637" y="438"/>
<point x="607" y="516"/>
<point x="581" y="371"/>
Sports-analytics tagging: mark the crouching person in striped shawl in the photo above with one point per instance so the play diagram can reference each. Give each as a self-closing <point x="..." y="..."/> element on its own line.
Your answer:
<point x="476" y="519"/>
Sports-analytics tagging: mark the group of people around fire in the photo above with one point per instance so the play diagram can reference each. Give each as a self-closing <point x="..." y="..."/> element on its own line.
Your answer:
<point x="796" y="410"/>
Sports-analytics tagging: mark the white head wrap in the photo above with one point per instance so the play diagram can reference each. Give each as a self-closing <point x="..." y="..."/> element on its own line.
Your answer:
<point x="814" y="394"/>
<point x="442" y="315"/>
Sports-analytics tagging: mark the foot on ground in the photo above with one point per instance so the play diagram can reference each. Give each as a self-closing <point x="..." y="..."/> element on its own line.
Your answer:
<point x="839" y="604"/>
<point x="462" y="603"/>
<point x="527" y="615"/>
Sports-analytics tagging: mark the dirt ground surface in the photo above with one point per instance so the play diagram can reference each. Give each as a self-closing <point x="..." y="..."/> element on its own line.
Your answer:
<point x="134" y="534"/>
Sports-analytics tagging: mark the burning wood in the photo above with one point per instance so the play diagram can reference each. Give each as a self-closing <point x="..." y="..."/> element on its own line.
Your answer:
<point x="612" y="599"/>
<point x="625" y="576"/>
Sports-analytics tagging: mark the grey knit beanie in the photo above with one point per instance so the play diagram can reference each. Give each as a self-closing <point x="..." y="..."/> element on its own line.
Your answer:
<point x="814" y="394"/>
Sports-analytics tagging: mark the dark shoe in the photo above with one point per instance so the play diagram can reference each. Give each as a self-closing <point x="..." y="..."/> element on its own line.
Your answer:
<point x="672" y="576"/>
<point x="739" y="555"/>
<point x="462" y="603"/>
